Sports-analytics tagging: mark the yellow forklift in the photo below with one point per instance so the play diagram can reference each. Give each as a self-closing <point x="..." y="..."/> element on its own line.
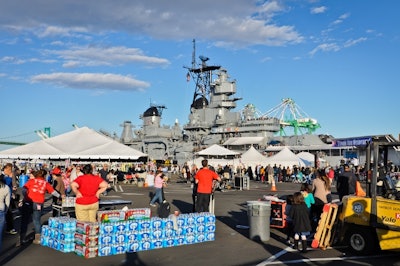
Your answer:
<point x="372" y="222"/>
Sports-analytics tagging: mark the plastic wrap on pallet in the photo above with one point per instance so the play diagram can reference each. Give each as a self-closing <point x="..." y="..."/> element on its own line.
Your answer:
<point x="87" y="228"/>
<point x="131" y="235"/>
<point x="59" y="234"/>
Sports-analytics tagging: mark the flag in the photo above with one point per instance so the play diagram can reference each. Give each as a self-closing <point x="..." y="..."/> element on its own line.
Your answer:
<point x="188" y="77"/>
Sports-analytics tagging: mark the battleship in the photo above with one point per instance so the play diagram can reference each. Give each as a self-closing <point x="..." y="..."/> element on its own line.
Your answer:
<point x="212" y="119"/>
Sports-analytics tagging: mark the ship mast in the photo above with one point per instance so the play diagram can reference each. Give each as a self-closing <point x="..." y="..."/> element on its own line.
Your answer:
<point x="202" y="76"/>
<point x="194" y="54"/>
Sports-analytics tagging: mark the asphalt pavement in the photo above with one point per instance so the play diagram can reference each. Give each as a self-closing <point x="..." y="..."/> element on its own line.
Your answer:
<point x="232" y="245"/>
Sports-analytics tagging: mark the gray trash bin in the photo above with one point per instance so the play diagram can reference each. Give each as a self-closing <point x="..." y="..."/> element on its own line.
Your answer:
<point x="259" y="213"/>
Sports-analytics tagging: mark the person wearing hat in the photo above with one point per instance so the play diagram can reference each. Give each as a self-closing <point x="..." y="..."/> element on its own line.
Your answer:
<point x="58" y="185"/>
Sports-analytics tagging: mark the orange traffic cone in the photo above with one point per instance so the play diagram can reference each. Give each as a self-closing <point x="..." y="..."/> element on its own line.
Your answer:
<point x="273" y="187"/>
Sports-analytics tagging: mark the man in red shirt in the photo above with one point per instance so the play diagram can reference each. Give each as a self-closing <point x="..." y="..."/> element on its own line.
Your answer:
<point x="204" y="179"/>
<point x="88" y="188"/>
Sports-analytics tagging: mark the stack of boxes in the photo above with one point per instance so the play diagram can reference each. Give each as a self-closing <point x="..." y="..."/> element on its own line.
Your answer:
<point x="86" y="239"/>
<point x="120" y="231"/>
<point x="140" y="232"/>
<point x="132" y="230"/>
<point x="59" y="234"/>
<point x="195" y="228"/>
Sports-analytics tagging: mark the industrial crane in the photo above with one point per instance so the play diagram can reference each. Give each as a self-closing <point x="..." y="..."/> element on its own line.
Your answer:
<point x="291" y="115"/>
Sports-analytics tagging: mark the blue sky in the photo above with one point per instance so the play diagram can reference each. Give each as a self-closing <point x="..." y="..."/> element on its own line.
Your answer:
<point x="97" y="63"/>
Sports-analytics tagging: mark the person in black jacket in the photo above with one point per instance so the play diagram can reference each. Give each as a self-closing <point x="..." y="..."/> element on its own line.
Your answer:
<point x="301" y="221"/>
<point x="346" y="182"/>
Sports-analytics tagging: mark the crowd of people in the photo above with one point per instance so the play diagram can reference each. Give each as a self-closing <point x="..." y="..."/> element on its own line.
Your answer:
<point x="304" y="208"/>
<point x="88" y="182"/>
<point x="27" y="196"/>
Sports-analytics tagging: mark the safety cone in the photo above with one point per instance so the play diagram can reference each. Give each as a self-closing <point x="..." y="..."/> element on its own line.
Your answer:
<point x="273" y="187"/>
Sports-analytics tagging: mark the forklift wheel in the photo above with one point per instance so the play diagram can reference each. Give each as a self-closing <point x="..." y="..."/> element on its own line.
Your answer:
<point x="361" y="241"/>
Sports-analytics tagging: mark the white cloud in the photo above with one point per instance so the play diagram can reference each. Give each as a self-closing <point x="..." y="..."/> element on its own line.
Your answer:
<point x="325" y="47"/>
<point x="350" y="43"/>
<point x="266" y="59"/>
<point x="9" y="41"/>
<point x="8" y="59"/>
<point x="334" y="47"/>
<point x="254" y="32"/>
<point x="344" y="16"/>
<point x="106" y="56"/>
<point x="341" y="18"/>
<point x="240" y="22"/>
<point x="51" y="31"/>
<point x="57" y="43"/>
<point x="318" y="10"/>
<point x="19" y="61"/>
<point x="98" y="81"/>
<point x="269" y="8"/>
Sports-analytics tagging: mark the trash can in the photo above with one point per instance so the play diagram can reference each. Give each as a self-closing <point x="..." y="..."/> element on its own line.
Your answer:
<point x="259" y="213"/>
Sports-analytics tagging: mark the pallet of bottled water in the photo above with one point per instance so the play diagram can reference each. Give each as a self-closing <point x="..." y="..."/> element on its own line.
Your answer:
<point x="59" y="234"/>
<point x="121" y="233"/>
<point x="147" y="234"/>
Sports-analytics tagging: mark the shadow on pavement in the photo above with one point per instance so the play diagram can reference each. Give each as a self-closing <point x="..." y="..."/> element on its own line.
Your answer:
<point x="12" y="251"/>
<point x="132" y="258"/>
<point x="183" y="206"/>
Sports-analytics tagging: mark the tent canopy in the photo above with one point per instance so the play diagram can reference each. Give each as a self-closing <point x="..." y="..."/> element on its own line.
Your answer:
<point x="216" y="150"/>
<point x="81" y="143"/>
<point x="285" y="158"/>
<point x="212" y="162"/>
<point x="252" y="158"/>
<point x="307" y="157"/>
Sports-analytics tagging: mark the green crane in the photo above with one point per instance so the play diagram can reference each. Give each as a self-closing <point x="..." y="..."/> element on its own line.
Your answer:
<point x="291" y="115"/>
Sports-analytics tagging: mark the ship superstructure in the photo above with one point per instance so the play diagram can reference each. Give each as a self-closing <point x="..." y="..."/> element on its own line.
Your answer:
<point x="212" y="118"/>
<point x="157" y="141"/>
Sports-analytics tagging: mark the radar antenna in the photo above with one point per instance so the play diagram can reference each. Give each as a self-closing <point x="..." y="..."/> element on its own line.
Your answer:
<point x="202" y="76"/>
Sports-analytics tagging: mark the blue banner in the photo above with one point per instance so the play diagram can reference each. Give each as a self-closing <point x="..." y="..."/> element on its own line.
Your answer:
<point x="351" y="142"/>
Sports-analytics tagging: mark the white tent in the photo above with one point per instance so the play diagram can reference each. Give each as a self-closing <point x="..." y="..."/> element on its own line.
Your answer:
<point x="252" y="158"/>
<point x="212" y="162"/>
<point x="217" y="151"/>
<point x="307" y="157"/>
<point x="81" y="143"/>
<point x="285" y="158"/>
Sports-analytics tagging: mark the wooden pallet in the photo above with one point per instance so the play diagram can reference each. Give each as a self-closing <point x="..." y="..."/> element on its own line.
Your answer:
<point x="323" y="235"/>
